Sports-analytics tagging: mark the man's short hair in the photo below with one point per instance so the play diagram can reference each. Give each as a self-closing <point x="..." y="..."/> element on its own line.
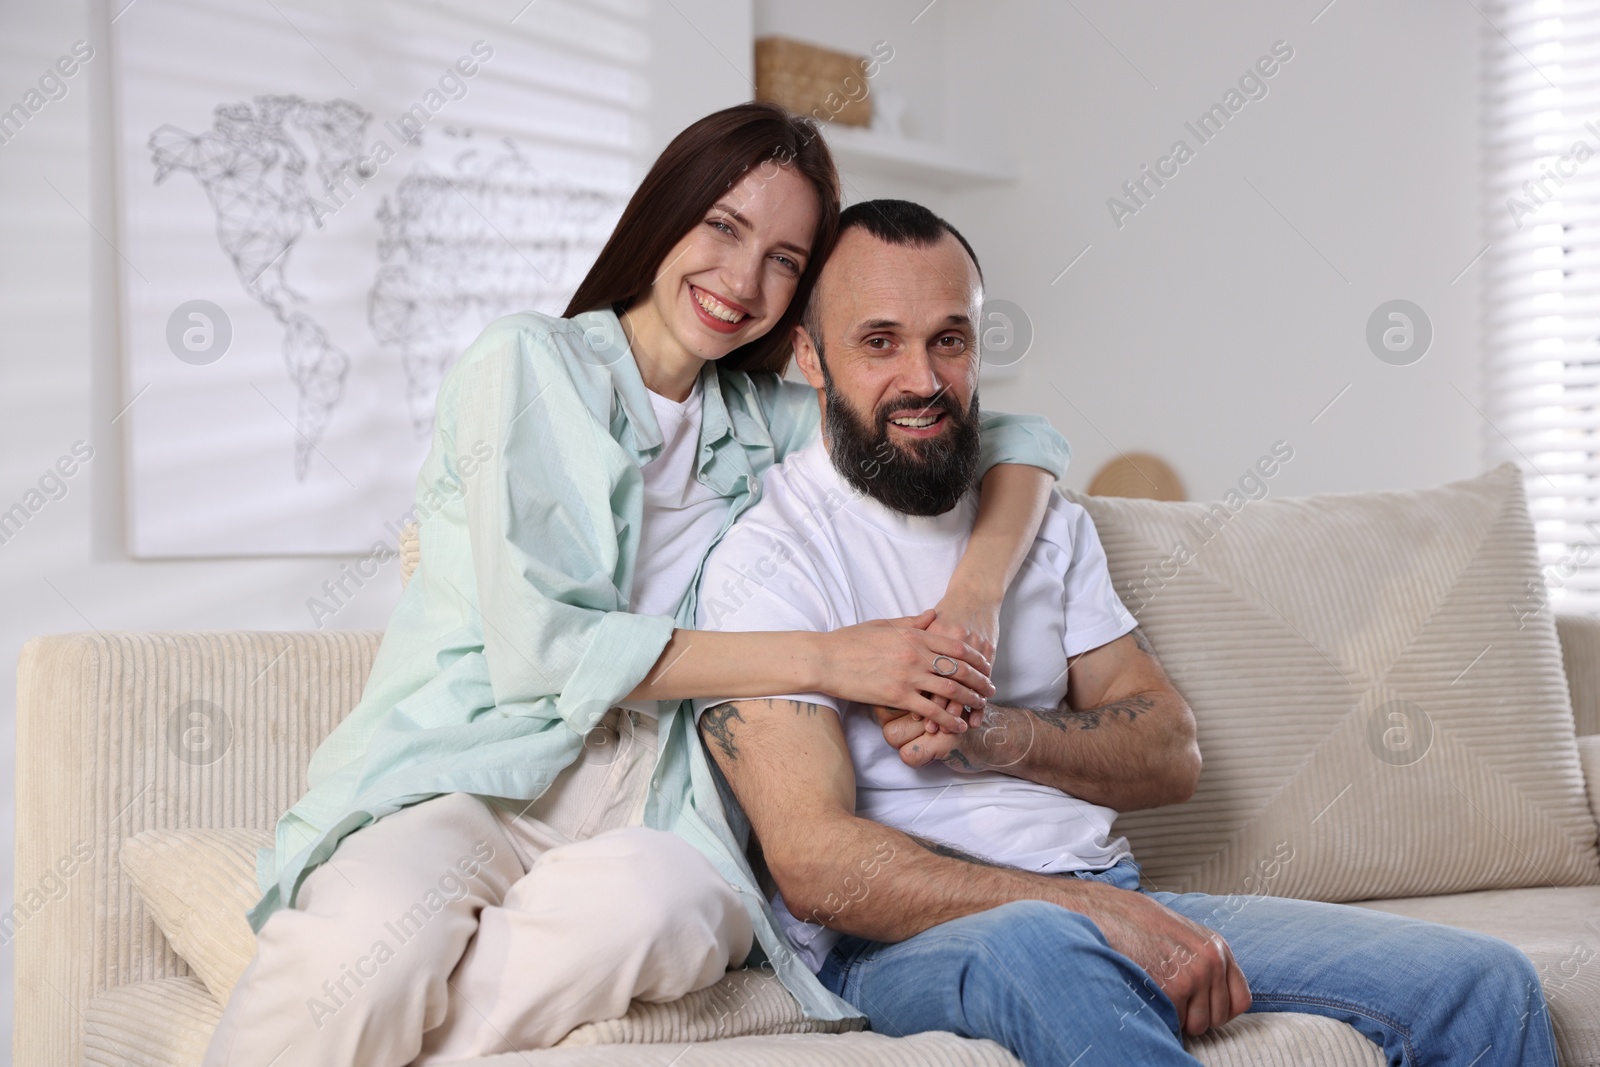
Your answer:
<point x="895" y="222"/>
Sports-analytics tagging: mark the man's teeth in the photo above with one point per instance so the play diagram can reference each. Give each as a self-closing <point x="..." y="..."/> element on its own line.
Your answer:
<point x="716" y="308"/>
<point x="920" y="422"/>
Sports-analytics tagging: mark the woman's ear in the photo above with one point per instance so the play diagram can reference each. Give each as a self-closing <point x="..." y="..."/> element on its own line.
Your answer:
<point x="806" y="356"/>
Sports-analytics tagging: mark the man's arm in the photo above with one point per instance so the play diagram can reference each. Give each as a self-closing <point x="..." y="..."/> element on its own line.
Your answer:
<point x="788" y="764"/>
<point x="1123" y="737"/>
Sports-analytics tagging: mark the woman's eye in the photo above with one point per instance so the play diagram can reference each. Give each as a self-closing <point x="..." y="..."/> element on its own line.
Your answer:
<point x="788" y="263"/>
<point x="719" y="225"/>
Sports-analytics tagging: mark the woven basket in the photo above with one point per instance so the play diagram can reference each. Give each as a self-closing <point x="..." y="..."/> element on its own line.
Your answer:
<point x="826" y="85"/>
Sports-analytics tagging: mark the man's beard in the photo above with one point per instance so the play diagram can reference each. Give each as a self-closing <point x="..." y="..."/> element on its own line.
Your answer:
<point x="918" y="477"/>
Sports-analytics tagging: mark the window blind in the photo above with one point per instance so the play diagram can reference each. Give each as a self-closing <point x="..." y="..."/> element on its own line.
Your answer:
<point x="1541" y="111"/>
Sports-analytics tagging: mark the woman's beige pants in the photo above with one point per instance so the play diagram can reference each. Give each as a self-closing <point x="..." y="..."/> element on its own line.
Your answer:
<point x="464" y="926"/>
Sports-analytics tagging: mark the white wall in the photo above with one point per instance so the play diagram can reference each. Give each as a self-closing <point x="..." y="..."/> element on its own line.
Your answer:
<point x="1207" y="327"/>
<point x="67" y="570"/>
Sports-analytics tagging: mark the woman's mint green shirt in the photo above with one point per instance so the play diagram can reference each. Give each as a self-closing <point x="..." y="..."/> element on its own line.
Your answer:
<point x="513" y="637"/>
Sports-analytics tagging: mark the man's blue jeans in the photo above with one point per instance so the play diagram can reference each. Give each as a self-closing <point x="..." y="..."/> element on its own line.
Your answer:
<point x="1043" y="982"/>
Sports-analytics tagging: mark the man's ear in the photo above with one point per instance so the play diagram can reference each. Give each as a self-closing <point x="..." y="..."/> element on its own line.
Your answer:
<point x="805" y="356"/>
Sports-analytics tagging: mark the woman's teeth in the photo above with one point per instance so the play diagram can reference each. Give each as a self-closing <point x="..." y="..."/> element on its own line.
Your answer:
<point x="920" y="422"/>
<point x="716" y="308"/>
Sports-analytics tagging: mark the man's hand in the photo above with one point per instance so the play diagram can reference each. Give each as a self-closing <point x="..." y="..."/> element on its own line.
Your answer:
<point x="1191" y="964"/>
<point x="920" y="744"/>
<point x="1123" y="737"/>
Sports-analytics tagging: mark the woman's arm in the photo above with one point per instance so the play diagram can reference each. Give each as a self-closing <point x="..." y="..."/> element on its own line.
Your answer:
<point x="894" y="656"/>
<point x="886" y="661"/>
<point x="1023" y="455"/>
<point x="1010" y="510"/>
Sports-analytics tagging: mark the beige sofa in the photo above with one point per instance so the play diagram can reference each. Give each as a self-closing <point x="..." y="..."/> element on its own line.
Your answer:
<point x="1308" y="634"/>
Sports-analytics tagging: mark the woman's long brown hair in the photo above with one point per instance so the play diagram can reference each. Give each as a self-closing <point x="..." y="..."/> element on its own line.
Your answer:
<point x="701" y="164"/>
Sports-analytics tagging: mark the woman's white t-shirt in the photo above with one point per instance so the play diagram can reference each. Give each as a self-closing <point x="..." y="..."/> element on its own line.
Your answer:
<point x="682" y="515"/>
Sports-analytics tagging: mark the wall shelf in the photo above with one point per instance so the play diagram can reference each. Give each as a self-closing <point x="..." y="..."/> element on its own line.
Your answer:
<point x="903" y="158"/>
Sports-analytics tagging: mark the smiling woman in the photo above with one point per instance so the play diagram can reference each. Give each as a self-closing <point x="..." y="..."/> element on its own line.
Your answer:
<point x="552" y="609"/>
<point x="746" y="170"/>
<point x="727" y="280"/>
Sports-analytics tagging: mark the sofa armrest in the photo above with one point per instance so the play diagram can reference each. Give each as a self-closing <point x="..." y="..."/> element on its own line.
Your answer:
<point x="123" y="732"/>
<point x="1580" y="652"/>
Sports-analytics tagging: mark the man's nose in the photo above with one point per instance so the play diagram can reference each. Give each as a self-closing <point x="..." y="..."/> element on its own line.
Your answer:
<point x="917" y="376"/>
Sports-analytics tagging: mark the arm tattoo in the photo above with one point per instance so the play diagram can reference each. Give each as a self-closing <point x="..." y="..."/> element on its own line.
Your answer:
<point x="715" y="723"/>
<point x="959" y="758"/>
<point x="950" y="851"/>
<point x="1063" y="717"/>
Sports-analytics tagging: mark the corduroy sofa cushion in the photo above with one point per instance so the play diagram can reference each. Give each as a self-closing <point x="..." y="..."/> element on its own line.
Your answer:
<point x="166" y="1023"/>
<point x="198" y="884"/>
<point x="1380" y="713"/>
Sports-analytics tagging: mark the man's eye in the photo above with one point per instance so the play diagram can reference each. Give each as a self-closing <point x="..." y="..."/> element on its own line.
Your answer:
<point x="879" y="343"/>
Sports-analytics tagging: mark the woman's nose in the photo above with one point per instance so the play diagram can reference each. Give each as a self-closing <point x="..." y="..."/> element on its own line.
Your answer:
<point x="743" y="277"/>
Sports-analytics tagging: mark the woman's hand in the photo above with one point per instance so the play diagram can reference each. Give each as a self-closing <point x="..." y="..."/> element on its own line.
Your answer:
<point x="972" y="618"/>
<point x="891" y="662"/>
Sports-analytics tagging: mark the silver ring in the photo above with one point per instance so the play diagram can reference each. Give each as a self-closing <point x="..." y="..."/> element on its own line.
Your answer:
<point x="940" y="670"/>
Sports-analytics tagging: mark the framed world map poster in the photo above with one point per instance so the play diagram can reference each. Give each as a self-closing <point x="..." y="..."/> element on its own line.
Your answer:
<point x="320" y="206"/>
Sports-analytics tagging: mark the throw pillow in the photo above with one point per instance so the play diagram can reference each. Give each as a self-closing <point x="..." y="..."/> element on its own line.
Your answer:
<point x="198" y="884"/>
<point x="1381" y="704"/>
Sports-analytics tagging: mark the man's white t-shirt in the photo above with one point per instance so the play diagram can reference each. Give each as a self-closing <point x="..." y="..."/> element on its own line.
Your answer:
<point x="813" y="554"/>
